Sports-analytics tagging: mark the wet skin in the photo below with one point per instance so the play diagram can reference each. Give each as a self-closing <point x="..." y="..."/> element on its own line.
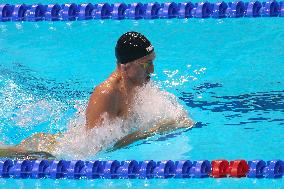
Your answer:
<point x="115" y="95"/>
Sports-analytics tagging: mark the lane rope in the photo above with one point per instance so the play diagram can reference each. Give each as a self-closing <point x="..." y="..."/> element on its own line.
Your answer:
<point x="130" y="169"/>
<point x="119" y="11"/>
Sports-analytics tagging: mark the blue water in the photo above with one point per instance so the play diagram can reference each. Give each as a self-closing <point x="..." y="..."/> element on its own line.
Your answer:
<point x="227" y="73"/>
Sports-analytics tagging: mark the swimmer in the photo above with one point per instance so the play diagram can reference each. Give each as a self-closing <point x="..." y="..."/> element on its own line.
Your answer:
<point x="135" y="56"/>
<point x="115" y="96"/>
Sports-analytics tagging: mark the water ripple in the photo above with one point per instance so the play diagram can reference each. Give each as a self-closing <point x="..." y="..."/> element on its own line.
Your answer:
<point x="254" y="107"/>
<point x="259" y="101"/>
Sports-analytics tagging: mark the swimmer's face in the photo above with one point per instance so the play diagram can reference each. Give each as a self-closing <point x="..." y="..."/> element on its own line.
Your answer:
<point x="139" y="70"/>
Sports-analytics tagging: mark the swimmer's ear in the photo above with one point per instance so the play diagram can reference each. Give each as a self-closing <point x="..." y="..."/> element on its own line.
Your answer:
<point x="123" y="67"/>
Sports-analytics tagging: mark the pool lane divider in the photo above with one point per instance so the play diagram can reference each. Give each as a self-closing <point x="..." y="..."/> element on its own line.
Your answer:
<point x="113" y="169"/>
<point x="119" y="11"/>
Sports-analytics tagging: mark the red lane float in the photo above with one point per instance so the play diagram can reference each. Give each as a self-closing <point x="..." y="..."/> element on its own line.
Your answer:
<point x="236" y="168"/>
<point x="219" y="168"/>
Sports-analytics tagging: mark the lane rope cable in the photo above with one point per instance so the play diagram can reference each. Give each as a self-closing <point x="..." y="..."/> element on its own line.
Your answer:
<point x="130" y="169"/>
<point x="119" y="11"/>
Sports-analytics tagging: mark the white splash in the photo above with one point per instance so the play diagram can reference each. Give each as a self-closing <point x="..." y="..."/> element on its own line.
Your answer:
<point x="201" y="70"/>
<point x="153" y="104"/>
<point x="150" y="106"/>
<point x="23" y="109"/>
<point x="181" y="77"/>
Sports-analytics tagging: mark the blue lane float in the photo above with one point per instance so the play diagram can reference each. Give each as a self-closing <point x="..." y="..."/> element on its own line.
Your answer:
<point x="203" y="10"/>
<point x="35" y="13"/>
<point x="236" y="9"/>
<point x="147" y="169"/>
<point x="69" y="12"/>
<point x="119" y="11"/>
<point x="281" y="10"/>
<point x="58" y="169"/>
<point x="270" y="9"/>
<point x="19" y="12"/>
<point x="21" y="169"/>
<point x="165" y="169"/>
<point x="219" y="10"/>
<point x="169" y="10"/>
<point x="183" y="169"/>
<point x="186" y="10"/>
<point x="131" y="169"/>
<point x="274" y="169"/>
<point x="40" y="169"/>
<point x="85" y="11"/>
<point x="93" y="169"/>
<point x="128" y="169"/>
<point x="5" y="166"/>
<point x="253" y="9"/>
<point x="75" y="169"/>
<point x="52" y="12"/>
<point x="152" y="10"/>
<point x="6" y="11"/>
<point x="110" y="169"/>
<point x="102" y="11"/>
<point x="256" y="169"/>
<point x="200" y="169"/>
<point x="135" y="11"/>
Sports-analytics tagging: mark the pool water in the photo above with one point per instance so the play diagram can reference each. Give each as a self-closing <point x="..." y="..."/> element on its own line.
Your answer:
<point x="228" y="74"/>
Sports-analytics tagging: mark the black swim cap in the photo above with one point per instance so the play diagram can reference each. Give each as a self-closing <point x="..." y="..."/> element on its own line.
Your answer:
<point x="132" y="46"/>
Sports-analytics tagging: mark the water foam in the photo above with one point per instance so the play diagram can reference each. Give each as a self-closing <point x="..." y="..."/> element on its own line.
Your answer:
<point x="27" y="111"/>
<point x="23" y="113"/>
<point x="151" y="105"/>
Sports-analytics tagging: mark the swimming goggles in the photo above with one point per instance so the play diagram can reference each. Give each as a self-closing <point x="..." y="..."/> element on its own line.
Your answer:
<point x="146" y="65"/>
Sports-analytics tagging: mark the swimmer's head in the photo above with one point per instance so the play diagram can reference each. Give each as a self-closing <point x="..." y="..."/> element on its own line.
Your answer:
<point x="135" y="56"/>
<point x="132" y="46"/>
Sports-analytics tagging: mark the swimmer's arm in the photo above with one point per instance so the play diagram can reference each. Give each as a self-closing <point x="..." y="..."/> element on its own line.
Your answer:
<point x="168" y="125"/>
<point x="161" y="128"/>
<point x="128" y="139"/>
<point x="100" y="102"/>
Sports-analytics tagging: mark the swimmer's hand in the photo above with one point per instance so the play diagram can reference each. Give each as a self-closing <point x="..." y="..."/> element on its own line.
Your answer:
<point x="164" y="126"/>
<point x="168" y="125"/>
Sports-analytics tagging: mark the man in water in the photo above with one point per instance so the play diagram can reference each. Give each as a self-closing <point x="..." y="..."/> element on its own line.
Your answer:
<point x="135" y="55"/>
<point x="114" y="97"/>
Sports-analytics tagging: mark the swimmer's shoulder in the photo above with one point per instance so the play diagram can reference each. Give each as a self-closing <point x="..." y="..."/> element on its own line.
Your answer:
<point x="104" y="93"/>
<point x="109" y="86"/>
<point x="106" y="88"/>
<point x="103" y="100"/>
